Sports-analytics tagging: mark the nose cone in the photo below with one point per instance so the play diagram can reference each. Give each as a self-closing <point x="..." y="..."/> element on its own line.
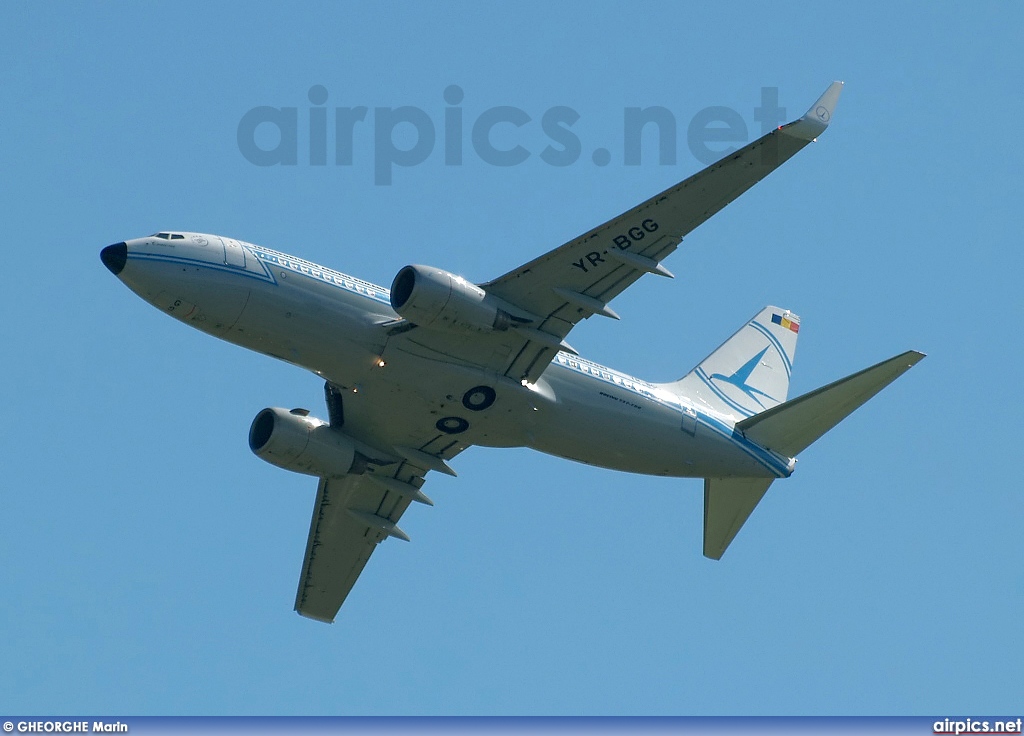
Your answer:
<point x="114" y="257"/>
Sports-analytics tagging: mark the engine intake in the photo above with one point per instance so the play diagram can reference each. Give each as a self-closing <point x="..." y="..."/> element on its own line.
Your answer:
<point x="433" y="298"/>
<point x="302" y="444"/>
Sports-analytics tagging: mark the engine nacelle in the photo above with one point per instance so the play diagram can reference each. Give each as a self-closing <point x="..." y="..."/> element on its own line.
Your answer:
<point x="302" y="444"/>
<point x="432" y="298"/>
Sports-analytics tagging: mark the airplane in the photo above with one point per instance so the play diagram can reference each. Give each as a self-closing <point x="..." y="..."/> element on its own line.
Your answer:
<point x="416" y="374"/>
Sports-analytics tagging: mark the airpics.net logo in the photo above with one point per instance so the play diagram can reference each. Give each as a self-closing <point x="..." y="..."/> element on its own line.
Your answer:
<point x="955" y="727"/>
<point x="501" y="135"/>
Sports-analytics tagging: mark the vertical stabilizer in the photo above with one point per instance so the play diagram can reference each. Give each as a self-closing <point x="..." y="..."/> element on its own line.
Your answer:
<point x="750" y="372"/>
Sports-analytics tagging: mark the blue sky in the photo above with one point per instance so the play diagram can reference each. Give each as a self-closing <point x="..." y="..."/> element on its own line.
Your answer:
<point x="148" y="561"/>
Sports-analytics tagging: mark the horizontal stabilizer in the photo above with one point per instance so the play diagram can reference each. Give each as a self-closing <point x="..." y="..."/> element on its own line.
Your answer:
<point x="791" y="427"/>
<point x="727" y="504"/>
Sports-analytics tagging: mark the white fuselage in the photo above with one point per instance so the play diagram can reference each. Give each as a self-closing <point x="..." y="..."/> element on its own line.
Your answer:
<point x="332" y="324"/>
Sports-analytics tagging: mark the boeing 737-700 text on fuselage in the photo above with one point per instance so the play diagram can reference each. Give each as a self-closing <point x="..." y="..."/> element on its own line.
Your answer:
<point x="416" y="374"/>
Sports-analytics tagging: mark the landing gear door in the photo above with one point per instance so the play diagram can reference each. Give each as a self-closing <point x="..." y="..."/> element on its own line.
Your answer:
<point x="234" y="253"/>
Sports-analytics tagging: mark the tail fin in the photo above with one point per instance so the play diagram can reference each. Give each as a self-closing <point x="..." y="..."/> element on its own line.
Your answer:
<point x="788" y="429"/>
<point x="750" y="372"/>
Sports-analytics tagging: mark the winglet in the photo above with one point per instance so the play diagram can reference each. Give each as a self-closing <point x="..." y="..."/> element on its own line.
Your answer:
<point x="816" y="120"/>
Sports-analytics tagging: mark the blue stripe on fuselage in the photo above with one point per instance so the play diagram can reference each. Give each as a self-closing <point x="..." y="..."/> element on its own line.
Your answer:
<point x="265" y="258"/>
<point x="212" y="265"/>
<point x="324" y="275"/>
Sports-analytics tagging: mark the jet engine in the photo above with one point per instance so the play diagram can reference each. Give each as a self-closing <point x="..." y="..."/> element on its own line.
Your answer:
<point x="303" y="444"/>
<point x="436" y="299"/>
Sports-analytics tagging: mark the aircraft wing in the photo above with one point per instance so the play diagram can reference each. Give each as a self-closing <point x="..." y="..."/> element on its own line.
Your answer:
<point x="355" y="513"/>
<point x="352" y="515"/>
<point x="339" y="544"/>
<point x="579" y="278"/>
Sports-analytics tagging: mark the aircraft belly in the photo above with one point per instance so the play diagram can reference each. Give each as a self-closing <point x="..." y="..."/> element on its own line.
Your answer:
<point x="601" y="425"/>
<point x="310" y="329"/>
<point x="460" y="402"/>
<point x="603" y="440"/>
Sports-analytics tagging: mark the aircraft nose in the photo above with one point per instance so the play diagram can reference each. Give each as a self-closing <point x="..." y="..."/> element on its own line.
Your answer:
<point x="114" y="257"/>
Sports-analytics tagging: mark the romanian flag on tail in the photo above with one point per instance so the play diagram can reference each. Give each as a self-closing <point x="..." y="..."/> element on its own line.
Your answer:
<point x="786" y="322"/>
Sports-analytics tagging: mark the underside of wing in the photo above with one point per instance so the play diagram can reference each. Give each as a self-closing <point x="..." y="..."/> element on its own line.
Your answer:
<point x="352" y="515"/>
<point x="356" y="512"/>
<point x="337" y="549"/>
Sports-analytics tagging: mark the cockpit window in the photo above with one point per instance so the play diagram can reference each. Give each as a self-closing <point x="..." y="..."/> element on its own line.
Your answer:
<point x="162" y="236"/>
<point x="176" y="236"/>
